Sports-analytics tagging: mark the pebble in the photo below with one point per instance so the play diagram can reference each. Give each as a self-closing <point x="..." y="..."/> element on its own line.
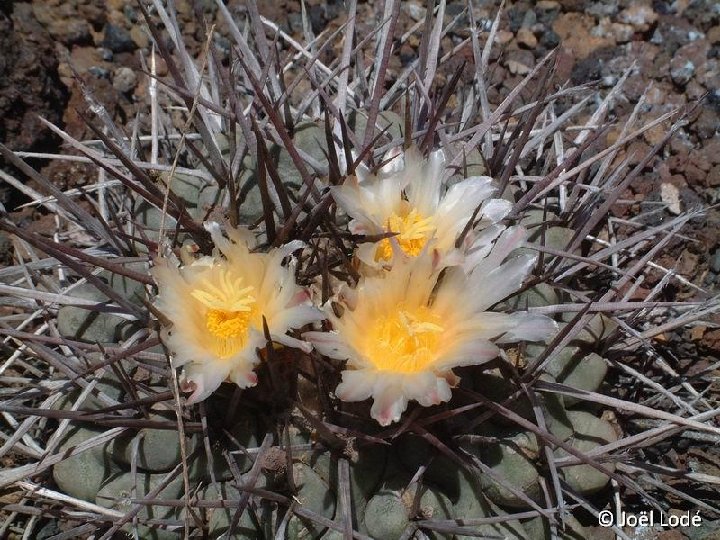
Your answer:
<point x="516" y="68"/>
<point x="503" y="36"/>
<point x="639" y="16"/>
<point x="117" y="39"/>
<point x="715" y="262"/>
<point x="99" y="72"/>
<point x="681" y="71"/>
<point x="124" y="80"/>
<point x="526" y="38"/>
<point x="547" y="5"/>
<point x="670" y="195"/>
<point x="139" y="37"/>
<point x="416" y="11"/>
<point x="713" y="35"/>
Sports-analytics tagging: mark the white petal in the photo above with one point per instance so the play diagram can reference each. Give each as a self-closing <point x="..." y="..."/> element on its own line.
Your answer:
<point x="487" y="325"/>
<point x="388" y="404"/>
<point x="428" y="389"/>
<point x="395" y="161"/>
<point x="464" y="197"/>
<point x="330" y="344"/>
<point x="494" y="210"/>
<point x="295" y="317"/>
<point x="491" y="287"/>
<point x="529" y="327"/>
<point x="480" y="245"/>
<point x="347" y="196"/>
<point x="244" y="378"/>
<point x="292" y="342"/>
<point x="366" y="253"/>
<point x="362" y="172"/>
<point x="425" y="181"/>
<point x="510" y="239"/>
<point x="356" y="385"/>
<point x="290" y="247"/>
<point x="468" y="353"/>
<point x="205" y="378"/>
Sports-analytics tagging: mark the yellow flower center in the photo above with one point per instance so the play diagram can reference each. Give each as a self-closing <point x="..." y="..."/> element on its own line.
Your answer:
<point x="413" y="232"/>
<point x="230" y="308"/>
<point x="406" y="341"/>
<point x="227" y="324"/>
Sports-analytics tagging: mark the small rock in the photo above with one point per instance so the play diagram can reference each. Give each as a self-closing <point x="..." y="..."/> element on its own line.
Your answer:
<point x="686" y="60"/>
<point x="124" y="80"/>
<point x="519" y="62"/>
<point x="670" y="195"/>
<point x="713" y="177"/>
<point x="526" y="38"/>
<point x="416" y="11"/>
<point x="707" y="124"/>
<point x="99" y="72"/>
<point x="295" y="24"/>
<point x="657" y="37"/>
<point x="117" y="39"/>
<point x="607" y="8"/>
<point x="407" y="55"/>
<point x="317" y="18"/>
<point x="549" y="39"/>
<point x="503" y="36"/>
<point x="70" y="32"/>
<point x="516" y="68"/>
<point x="713" y="35"/>
<point x="622" y="32"/>
<point x="139" y="37"/>
<point x="715" y="262"/>
<point x="547" y="5"/>
<point x="575" y="31"/>
<point x="6" y="246"/>
<point x="639" y="16"/>
<point x="681" y="70"/>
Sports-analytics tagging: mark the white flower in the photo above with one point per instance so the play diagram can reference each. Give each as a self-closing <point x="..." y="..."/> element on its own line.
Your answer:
<point x="407" y="197"/>
<point x="217" y="304"/>
<point x="406" y="330"/>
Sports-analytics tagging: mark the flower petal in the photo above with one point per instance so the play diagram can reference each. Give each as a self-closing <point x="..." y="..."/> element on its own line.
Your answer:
<point x="529" y="327"/>
<point x="330" y="344"/>
<point x="204" y="379"/>
<point x="356" y="385"/>
<point x="428" y="391"/>
<point x="470" y="352"/>
<point x="388" y="404"/>
<point x="489" y="287"/>
<point x="510" y="239"/>
<point x="493" y="210"/>
<point x="425" y="180"/>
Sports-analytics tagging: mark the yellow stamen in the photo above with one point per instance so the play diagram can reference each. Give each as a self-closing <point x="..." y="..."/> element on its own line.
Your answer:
<point x="413" y="232"/>
<point x="406" y="341"/>
<point x="230" y="308"/>
<point x="227" y="324"/>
